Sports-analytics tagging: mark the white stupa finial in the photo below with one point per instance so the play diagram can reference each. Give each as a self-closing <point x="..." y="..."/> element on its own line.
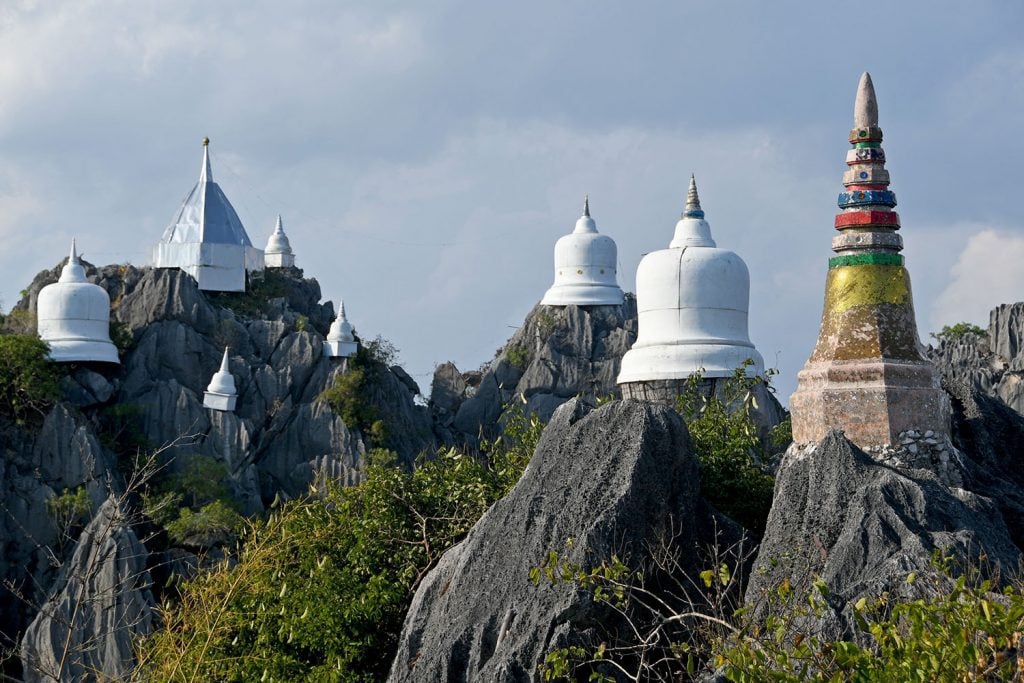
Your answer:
<point x="73" y="270"/>
<point x="225" y="363"/>
<point x="693" y="209"/>
<point x="279" y="227"/>
<point x="865" y="107"/>
<point x="586" y="204"/>
<point x="206" y="175"/>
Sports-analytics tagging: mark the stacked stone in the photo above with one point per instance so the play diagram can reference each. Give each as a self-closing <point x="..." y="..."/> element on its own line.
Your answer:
<point x="867" y="375"/>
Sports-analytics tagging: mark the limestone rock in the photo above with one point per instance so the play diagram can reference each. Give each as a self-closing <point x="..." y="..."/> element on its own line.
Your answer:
<point x="558" y="353"/>
<point x="863" y="526"/>
<point x="609" y="479"/>
<point x="100" y="602"/>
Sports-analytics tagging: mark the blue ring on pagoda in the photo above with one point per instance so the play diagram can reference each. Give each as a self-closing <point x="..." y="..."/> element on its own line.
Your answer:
<point x="857" y="198"/>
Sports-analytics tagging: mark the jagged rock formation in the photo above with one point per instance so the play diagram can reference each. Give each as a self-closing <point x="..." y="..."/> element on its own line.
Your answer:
<point x="610" y="479"/>
<point x="558" y="353"/>
<point x="994" y="363"/>
<point x="863" y="525"/>
<point x="278" y="442"/>
<point x="100" y="602"/>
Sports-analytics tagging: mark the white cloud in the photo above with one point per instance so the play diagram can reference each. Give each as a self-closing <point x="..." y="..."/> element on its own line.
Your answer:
<point x="988" y="273"/>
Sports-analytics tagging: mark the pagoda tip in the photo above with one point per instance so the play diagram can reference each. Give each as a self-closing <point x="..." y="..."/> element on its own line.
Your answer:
<point x="73" y="258"/>
<point x="206" y="142"/>
<point x="225" y="363"/>
<point x="692" y="209"/>
<point x="865" y="109"/>
<point x="279" y="227"/>
<point x="586" y="204"/>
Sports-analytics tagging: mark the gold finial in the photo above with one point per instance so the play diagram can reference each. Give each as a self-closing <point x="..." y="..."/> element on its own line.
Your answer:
<point x="206" y="142"/>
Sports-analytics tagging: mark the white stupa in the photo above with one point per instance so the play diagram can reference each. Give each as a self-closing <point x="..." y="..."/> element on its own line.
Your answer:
<point x="73" y="316"/>
<point x="341" y="343"/>
<point x="221" y="394"/>
<point x="206" y="239"/>
<point x="585" y="267"/>
<point x="278" y="253"/>
<point x="692" y="302"/>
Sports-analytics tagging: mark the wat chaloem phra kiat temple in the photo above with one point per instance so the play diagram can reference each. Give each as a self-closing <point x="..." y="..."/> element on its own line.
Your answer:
<point x="866" y="376"/>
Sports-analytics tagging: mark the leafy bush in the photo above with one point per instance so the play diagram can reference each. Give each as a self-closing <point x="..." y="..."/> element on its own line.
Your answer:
<point x="730" y="448"/>
<point x="517" y="357"/>
<point x="320" y="589"/>
<point x="957" y="331"/>
<point x="214" y="523"/>
<point x="347" y="397"/>
<point x="29" y="382"/>
<point x="71" y="507"/>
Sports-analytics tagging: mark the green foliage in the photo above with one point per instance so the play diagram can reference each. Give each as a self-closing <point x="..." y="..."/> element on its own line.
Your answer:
<point x="255" y="302"/>
<point x="516" y="356"/>
<point x="301" y="323"/>
<point x="545" y="324"/>
<point x="122" y="337"/>
<point x="954" y="332"/>
<point x="29" y="382"/>
<point x="216" y="520"/>
<point x="201" y="480"/>
<point x="377" y="351"/>
<point x="730" y="449"/>
<point x="510" y="453"/>
<point x="968" y="631"/>
<point x="347" y="397"/>
<point x="71" y="508"/>
<point x="19" y="321"/>
<point x="121" y="429"/>
<point x="319" y="590"/>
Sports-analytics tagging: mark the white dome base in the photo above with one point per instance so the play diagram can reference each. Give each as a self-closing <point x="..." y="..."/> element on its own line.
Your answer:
<point x="80" y="350"/>
<point x="583" y="295"/>
<point x="340" y="349"/>
<point x="223" y="402"/>
<point x="678" y="361"/>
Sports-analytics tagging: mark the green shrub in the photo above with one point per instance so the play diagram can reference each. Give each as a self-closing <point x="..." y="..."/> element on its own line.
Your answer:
<point x="320" y="589"/>
<point x="957" y="331"/>
<point x="72" y="507"/>
<point x="122" y="337"/>
<point x="347" y="397"/>
<point x="29" y="381"/>
<point x="730" y="449"/>
<point x="214" y="522"/>
<point x="517" y="357"/>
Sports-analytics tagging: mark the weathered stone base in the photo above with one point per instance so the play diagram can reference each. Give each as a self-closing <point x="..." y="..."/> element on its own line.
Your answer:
<point x="871" y="401"/>
<point x="666" y="392"/>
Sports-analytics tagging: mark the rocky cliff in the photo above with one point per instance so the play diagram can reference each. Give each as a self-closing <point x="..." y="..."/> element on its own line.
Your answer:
<point x="557" y="354"/>
<point x="278" y="441"/>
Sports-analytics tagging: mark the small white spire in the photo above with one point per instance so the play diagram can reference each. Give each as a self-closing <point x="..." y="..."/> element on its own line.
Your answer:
<point x="865" y="108"/>
<point x="73" y="258"/>
<point x="279" y="227"/>
<point x="73" y="271"/>
<point x="342" y="313"/>
<point x="225" y="363"/>
<point x="206" y="175"/>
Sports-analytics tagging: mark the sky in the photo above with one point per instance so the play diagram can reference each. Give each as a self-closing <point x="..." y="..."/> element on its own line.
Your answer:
<point x="425" y="156"/>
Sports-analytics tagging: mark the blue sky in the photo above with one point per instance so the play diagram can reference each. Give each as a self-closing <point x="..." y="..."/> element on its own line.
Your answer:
<point x="426" y="156"/>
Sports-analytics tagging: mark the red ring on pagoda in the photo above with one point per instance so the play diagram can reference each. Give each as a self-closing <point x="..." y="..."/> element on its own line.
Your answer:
<point x="866" y="187"/>
<point x="862" y="218"/>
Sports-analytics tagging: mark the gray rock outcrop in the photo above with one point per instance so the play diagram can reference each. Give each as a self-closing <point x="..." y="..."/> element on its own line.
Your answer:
<point x="992" y="363"/>
<point x="557" y="354"/>
<point x="863" y="526"/>
<point x="100" y="602"/>
<point x="611" y="480"/>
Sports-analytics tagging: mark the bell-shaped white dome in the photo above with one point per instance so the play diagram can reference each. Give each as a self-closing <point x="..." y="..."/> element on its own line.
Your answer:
<point x="278" y="253"/>
<point x="222" y="394"/>
<point x="73" y="316"/>
<point x="692" y="304"/>
<point x="585" y="267"/>
<point x="341" y="342"/>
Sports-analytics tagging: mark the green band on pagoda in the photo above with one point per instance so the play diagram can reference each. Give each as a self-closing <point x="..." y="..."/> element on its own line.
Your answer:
<point x="861" y="145"/>
<point x="866" y="260"/>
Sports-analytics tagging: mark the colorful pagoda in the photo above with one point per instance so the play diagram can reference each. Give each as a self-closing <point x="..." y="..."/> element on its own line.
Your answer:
<point x="867" y="376"/>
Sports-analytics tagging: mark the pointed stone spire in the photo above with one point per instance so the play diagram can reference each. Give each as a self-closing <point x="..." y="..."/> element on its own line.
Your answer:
<point x="206" y="174"/>
<point x="225" y="363"/>
<point x="278" y="227"/>
<point x="692" y="209"/>
<point x="73" y="271"/>
<point x="342" y="313"/>
<point x="867" y="376"/>
<point x="865" y="108"/>
<point x="586" y="204"/>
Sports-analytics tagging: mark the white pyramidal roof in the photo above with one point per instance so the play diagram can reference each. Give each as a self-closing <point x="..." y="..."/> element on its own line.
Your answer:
<point x="206" y="215"/>
<point x="206" y="239"/>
